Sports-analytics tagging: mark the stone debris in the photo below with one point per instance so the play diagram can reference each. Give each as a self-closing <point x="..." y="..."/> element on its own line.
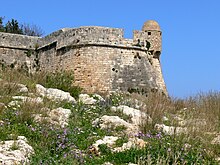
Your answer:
<point x="216" y="140"/>
<point x="14" y="152"/>
<point x="106" y="122"/>
<point x="108" y="140"/>
<point x="107" y="163"/>
<point x="86" y="99"/>
<point x="171" y="130"/>
<point x="54" y="94"/>
<point x="2" y="106"/>
<point x="58" y="117"/>
<point x="132" y="142"/>
<point x="136" y="115"/>
<point x="98" y="97"/>
<point x="22" y="88"/>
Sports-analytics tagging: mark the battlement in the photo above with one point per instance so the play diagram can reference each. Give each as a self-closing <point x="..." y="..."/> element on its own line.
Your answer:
<point x="100" y="57"/>
<point x="86" y="35"/>
<point x="16" y="41"/>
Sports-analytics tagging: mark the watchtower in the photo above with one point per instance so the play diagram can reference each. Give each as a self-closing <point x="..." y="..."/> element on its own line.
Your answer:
<point x="149" y="37"/>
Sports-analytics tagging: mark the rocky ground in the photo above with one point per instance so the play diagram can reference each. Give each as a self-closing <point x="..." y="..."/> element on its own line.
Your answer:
<point x="126" y="121"/>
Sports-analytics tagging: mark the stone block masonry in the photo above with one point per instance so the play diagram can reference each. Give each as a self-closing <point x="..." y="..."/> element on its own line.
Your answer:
<point x="101" y="58"/>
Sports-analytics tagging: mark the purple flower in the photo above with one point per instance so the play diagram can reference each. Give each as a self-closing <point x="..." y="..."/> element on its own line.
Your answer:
<point x="148" y="135"/>
<point x="65" y="132"/>
<point x="159" y="135"/>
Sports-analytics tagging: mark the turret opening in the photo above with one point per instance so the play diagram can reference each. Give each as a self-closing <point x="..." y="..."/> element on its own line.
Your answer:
<point x="157" y="54"/>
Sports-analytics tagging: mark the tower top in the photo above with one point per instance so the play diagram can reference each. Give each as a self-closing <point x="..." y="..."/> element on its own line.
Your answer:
<point x="151" y="25"/>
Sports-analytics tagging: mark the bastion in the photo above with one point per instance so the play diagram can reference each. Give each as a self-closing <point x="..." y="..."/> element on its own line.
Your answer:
<point x="101" y="59"/>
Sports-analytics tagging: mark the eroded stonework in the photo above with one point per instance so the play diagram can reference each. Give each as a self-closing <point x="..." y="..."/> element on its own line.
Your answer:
<point x="101" y="59"/>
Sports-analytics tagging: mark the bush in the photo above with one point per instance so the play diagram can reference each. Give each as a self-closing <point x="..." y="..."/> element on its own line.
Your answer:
<point x="63" y="81"/>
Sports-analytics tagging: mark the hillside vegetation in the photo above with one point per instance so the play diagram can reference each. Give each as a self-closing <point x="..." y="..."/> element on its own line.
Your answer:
<point x="169" y="130"/>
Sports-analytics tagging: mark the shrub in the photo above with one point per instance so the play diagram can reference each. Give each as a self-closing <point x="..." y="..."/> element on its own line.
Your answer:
<point x="63" y="81"/>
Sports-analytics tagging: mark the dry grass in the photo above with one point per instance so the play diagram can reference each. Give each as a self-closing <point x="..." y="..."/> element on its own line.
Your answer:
<point x="199" y="114"/>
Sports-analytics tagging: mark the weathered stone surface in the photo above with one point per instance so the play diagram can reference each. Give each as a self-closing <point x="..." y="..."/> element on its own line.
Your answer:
<point x="114" y="121"/>
<point x="86" y="99"/>
<point x="2" y="106"/>
<point x="132" y="142"/>
<point x="15" y="151"/>
<point x="22" y="88"/>
<point x="108" y="140"/>
<point x="101" y="59"/>
<point x="137" y="116"/>
<point x="111" y="140"/>
<point x="54" y="94"/>
<point x="107" y="163"/>
<point x="216" y="140"/>
<point x="58" y="117"/>
<point x="171" y="130"/>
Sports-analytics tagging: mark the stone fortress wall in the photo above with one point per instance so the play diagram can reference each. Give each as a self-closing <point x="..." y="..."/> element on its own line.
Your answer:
<point x="100" y="57"/>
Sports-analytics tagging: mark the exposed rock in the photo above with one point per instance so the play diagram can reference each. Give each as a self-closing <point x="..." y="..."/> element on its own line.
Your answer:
<point x="106" y="122"/>
<point x="58" y="116"/>
<point x="2" y="122"/>
<point x="170" y="130"/>
<point x="61" y="116"/>
<point x="54" y="94"/>
<point x="108" y="140"/>
<point x="86" y="99"/>
<point x="2" y="106"/>
<point x="132" y="142"/>
<point x="15" y="151"/>
<point x="216" y="140"/>
<point x="217" y="159"/>
<point x="136" y="115"/>
<point x="22" y="88"/>
<point x="107" y="163"/>
<point x="98" y="97"/>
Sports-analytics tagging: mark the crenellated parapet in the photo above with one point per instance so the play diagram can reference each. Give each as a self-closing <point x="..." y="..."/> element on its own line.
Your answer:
<point x="100" y="57"/>
<point x="146" y="39"/>
<point x="16" y="41"/>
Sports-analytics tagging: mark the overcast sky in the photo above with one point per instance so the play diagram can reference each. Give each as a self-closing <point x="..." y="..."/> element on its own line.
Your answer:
<point x="190" y="57"/>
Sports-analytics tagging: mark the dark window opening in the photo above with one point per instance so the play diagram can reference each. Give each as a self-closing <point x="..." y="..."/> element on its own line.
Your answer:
<point x="157" y="54"/>
<point x="113" y="69"/>
<point x="151" y="52"/>
<point x="148" y="45"/>
<point x="149" y="33"/>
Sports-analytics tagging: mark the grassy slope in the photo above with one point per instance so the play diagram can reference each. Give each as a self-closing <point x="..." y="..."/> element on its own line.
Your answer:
<point x="71" y="145"/>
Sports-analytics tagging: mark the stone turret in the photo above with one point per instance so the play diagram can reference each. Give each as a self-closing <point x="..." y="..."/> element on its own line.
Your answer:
<point x="153" y="35"/>
<point x="101" y="59"/>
